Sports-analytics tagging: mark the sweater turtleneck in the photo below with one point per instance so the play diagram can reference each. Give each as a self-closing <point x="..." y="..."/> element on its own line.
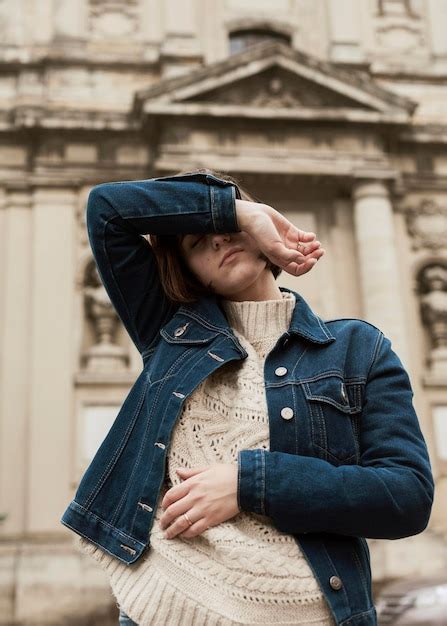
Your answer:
<point x="258" y="319"/>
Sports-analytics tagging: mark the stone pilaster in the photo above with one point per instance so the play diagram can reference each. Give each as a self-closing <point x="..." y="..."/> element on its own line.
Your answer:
<point x="379" y="265"/>
<point x="16" y="257"/>
<point x="51" y="358"/>
<point x="345" y="34"/>
<point x="71" y="20"/>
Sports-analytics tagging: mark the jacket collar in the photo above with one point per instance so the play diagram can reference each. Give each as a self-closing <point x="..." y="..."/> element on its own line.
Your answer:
<point x="304" y="321"/>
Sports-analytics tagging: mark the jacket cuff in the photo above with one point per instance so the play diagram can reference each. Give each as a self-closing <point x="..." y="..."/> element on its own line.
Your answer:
<point x="223" y="208"/>
<point x="251" y="480"/>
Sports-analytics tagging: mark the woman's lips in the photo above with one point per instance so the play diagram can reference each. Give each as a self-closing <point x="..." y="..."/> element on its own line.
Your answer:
<point x="229" y="257"/>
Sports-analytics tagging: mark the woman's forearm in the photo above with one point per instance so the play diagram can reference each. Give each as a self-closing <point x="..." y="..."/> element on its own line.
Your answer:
<point x="118" y="213"/>
<point x="164" y="206"/>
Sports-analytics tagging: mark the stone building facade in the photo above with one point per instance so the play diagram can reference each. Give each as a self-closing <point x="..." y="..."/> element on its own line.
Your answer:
<point x="331" y="111"/>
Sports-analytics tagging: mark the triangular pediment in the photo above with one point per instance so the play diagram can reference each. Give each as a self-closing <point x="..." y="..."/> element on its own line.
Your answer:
<point x="273" y="77"/>
<point x="277" y="86"/>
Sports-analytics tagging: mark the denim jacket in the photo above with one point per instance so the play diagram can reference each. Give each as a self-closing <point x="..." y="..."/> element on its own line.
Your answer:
<point x="347" y="458"/>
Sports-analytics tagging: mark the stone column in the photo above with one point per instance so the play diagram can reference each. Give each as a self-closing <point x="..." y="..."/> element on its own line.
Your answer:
<point x="16" y="253"/>
<point x="52" y="358"/>
<point x="379" y="264"/>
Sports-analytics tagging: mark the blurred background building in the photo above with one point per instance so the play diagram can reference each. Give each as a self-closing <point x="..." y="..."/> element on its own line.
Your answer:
<point x="332" y="111"/>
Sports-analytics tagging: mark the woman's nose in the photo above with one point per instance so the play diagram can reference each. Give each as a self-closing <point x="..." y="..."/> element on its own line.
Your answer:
<point x="218" y="238"/>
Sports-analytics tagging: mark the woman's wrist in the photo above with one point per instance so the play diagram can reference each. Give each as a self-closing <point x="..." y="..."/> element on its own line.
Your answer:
<point x="245" y="210"/>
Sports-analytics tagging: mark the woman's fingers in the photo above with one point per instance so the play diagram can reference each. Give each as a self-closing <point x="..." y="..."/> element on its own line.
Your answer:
<point x="289" y="259"/>
<point x="281" y="241"/>
<point x="298" y="269"/>
<point x="305" y="252"/>
<point x="310" y="247"/>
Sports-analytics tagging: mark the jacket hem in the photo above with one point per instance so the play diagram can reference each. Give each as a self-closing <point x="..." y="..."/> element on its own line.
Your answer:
<point x="364" y="618"/>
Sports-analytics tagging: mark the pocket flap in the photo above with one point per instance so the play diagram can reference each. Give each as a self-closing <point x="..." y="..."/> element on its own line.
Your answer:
<point x="334" y="390"/>
<point x="184" y="330"/>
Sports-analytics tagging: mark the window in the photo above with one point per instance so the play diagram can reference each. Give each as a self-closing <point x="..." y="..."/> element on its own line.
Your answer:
<point x="396" y="7"/>
<point x="242" y="39"/>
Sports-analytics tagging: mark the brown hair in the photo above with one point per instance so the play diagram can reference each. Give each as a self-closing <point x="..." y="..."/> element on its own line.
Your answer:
<point x="178" y="282"/>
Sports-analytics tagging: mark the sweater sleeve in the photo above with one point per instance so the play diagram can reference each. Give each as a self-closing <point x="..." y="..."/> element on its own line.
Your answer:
<point x="119" y="213"/>
<point x="389" y="495"/>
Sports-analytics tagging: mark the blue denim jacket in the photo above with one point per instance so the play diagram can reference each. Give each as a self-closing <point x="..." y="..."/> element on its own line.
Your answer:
<point x="347" y="458"/>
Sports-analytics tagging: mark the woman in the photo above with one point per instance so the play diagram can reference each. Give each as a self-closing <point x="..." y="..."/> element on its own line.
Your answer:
<point x="275" y="469"/>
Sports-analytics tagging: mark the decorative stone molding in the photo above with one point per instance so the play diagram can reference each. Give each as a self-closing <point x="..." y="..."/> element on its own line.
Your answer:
<point x="399" y="27"/>
<point x="279" y="88"/>
<point x="113" y="18"/>
<point x="105" y="354"/>
<point x="427" y="224"/>
<point x="433" y="301"/>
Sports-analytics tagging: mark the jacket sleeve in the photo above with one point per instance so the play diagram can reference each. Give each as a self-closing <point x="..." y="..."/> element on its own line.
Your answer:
<point x="388" y="495"/>
<point x="119" y="213"/>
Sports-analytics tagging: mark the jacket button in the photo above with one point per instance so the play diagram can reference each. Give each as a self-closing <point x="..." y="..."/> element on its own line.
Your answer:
<point x="280" y="371"/>
<point x="343" y="392"/>
<point x="335" y="582"/>
<point x="287" y="413"/>
<point x="179" y="331"/>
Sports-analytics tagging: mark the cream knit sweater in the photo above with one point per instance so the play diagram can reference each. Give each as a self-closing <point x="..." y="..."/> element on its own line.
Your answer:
<point x="242" y="571"/>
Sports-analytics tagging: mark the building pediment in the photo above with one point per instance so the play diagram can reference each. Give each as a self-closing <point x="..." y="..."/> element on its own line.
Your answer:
<point x="273" y="80"/>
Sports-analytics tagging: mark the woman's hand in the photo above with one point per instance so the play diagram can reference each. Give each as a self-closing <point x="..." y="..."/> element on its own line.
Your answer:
<point x="208" y="495"/>
<point x="278" y="238"/>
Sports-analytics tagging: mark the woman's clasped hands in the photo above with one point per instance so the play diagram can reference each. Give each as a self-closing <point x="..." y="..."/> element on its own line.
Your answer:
<point x="208" y="496"/>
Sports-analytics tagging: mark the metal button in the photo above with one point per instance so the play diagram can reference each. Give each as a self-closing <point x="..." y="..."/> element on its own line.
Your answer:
<point x="180" y="330"/>
<point x="343" y="392"/>
<point x="287" y="413"/>
<point x="160" y="445"/>
<point x="285" y="342"/>
<point x="280" y="371"/>
<point x="335" y="582"/>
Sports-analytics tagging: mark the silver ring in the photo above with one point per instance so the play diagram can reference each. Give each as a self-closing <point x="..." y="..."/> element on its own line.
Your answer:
<point x="187" y="518"/>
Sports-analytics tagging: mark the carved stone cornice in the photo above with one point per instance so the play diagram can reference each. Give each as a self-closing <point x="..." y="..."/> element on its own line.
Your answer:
<point x="48" y="117"/>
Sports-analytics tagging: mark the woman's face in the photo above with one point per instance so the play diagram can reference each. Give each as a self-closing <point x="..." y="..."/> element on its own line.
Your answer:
<point x="204" y="253"/>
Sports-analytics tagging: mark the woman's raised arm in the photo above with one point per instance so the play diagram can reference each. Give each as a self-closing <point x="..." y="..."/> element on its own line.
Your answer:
<point x="119" y="213"/>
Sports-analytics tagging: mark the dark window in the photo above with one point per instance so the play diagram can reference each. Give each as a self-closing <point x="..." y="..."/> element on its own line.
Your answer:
<point x="242" y="39"/>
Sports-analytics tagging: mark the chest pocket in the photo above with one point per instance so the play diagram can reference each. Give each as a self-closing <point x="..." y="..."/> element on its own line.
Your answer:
<point x="335" y="406"/>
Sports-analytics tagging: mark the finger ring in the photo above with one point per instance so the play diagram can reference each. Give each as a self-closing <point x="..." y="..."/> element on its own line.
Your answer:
<point x="187" y="518"/>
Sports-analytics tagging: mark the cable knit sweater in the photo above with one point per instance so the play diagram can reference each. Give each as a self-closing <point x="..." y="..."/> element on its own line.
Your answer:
<point x="242" y="571"/>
